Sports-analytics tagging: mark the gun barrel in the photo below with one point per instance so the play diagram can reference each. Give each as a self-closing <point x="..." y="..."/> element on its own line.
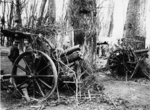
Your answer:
<point x="71" y="50"/>
<point x="15" y="34"/>
<point x="141" y="51"/>
<point x="72" y="57"/>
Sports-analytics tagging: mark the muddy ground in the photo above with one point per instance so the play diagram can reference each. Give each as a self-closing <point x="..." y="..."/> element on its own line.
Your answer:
<point x="116" y="95"/>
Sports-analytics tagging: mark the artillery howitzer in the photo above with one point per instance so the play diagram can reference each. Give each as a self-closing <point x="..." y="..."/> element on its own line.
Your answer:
<point x="42" y="69"/>
<point x="126" y="62"/>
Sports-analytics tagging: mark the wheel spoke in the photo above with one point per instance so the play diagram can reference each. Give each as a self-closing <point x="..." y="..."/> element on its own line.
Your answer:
<point x="129" y="62"/>
<point x="19" y="85"/>
<point x="112" y="60"/>
<point x="39" y="88"/>
<point x="45" y="76"/>
<point x="45" y="83"/>
<point x="38" y="63"/>
<point x="27" y="64"/>
<point x="22" y="68"/>
<point x="44" y="59"/>
<point x="113" y="65"/>
<point x="30" y="86"/>
<point x="33" y="59"/>
<point x="34" y="89"/>
<point x="43" y="68"/>
<point x="117" y="58"/>
<point x="20" y="76"/>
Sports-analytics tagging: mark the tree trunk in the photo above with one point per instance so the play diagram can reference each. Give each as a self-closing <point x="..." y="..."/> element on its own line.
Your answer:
<point x="3" y="22"/>
<point x="148" y="27"/>
<point x="135" y="26"/>
<point x="18" y="14"/>
<point x="105" y="11"/>
<point x="32" y="16"/>
<point x="4" y="11"/>
<point x="41" y="12"/>
<point x="18" y="21"/>
<point x="11" y="14"/>
<point x="66" y="34"/>
<point x="83" y="18"/>
<point x="51" y="12"/>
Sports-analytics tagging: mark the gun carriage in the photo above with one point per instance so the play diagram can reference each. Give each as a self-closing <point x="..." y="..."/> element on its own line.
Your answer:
<point x="128" y="60"/>
<point x="44" y="68"/>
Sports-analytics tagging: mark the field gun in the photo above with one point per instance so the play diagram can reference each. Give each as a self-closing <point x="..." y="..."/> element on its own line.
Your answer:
<point x="125" y="62"/>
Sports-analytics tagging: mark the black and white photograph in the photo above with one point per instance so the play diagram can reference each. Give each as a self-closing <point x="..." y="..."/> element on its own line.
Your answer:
<point x="74" y="54"/>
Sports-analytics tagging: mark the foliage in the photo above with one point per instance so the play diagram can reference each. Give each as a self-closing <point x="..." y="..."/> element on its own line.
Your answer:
<point x="80" y="14"/>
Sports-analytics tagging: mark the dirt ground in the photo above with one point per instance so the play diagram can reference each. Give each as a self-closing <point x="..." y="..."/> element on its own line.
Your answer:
<point x="116" y="95"/>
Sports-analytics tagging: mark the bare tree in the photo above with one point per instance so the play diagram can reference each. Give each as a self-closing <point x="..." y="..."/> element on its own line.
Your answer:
<point x="3" y="21"/>
<point x="31" y="15"/>
<point x="18" y="19"/>
<point x="41" y="12"/>
<point x="11" y="14"/>
<point x="51" y="12"/>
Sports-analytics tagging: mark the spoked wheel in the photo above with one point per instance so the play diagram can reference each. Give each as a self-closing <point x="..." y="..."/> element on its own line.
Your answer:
<point x="35" y="72"/>
<point x="122" y="62"/>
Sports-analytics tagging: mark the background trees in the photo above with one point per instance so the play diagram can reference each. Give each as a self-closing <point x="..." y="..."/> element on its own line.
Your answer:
<point x="42" y="7"/>
<point x="83" y="22"/>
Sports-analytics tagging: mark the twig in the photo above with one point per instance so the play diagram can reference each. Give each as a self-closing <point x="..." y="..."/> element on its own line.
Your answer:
<point x="76" y="90"/>
<point x="41" y="107"/>
<point x="89" y="94"/>
<point x="145" y="72"/>
<point x="38" y="107"/>
<point x="34" y="99"/>
<point x="136" y="67"/>
<point x="111" y="101"/>
<point x="35" y="106"/>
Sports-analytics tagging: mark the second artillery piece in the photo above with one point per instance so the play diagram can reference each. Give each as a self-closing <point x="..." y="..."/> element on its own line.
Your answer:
<point x="128" y="62"/>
